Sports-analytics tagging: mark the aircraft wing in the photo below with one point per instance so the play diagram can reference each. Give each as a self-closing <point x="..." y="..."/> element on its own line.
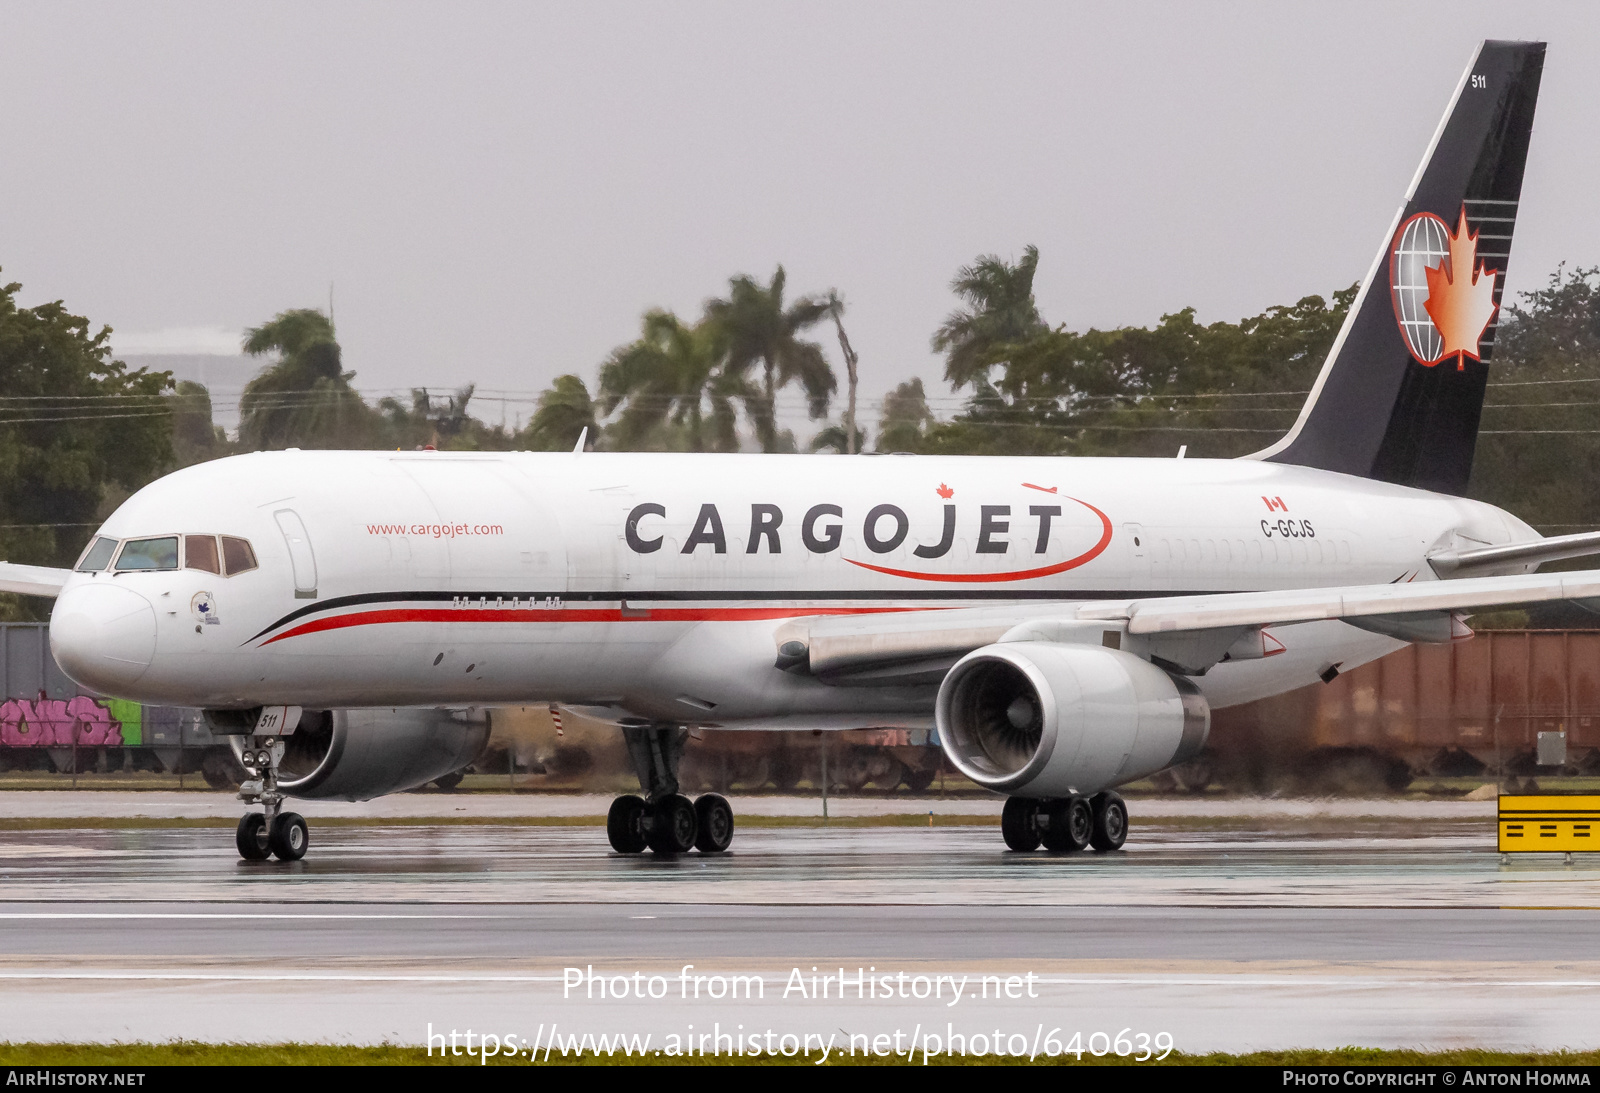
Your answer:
<point x="1189" y="632"/>
<point x="1354" y="603"/>
<point x="32" y="580"/>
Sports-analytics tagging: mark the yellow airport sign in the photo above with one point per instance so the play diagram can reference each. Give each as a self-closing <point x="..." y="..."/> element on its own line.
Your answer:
<point x="1549" y="822"/>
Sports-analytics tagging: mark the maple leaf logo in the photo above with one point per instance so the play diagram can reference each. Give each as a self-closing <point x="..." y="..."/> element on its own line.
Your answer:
<point x="1461" y="296"/>
<point x="945" y="491"/>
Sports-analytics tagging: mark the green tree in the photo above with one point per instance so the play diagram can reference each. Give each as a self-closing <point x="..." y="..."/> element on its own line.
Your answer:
<point x="1000" y="310"/>
<point x="304" y="398"/>
<point x="75" y="426"/>
<point x="1538" y="450"/>
<point x="441" y="421"/>
<point x="1223" y="389"/>
<point x="834" y="437"/>
<point x="564" y="411"/>
<point x="760" y="329"/>
<point x="905" y="421"/>
<point x="674" y="388"/>
<point x="196" y="437"/>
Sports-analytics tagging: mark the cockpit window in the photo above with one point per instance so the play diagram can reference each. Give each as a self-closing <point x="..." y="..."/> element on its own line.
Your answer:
<point x="159" y="553"/>
<point x="237" y="556"/>
<point x="98" y="556"/>
<point x="200" y="552"/>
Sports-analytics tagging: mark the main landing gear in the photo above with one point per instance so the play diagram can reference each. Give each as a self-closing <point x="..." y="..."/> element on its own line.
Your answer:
<point x="1065" y="823"/>
<point x="271" y="832"/>
<point x="664" y="820"/>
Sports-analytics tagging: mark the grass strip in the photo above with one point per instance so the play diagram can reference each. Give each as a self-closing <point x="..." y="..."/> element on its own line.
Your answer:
<point x="192" y="1053"/>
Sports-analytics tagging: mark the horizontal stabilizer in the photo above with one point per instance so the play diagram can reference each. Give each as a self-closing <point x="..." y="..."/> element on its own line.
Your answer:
<point x="1484" y="560"/>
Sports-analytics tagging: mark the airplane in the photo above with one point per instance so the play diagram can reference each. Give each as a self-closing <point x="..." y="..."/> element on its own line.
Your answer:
<point x="1065" y="625"/>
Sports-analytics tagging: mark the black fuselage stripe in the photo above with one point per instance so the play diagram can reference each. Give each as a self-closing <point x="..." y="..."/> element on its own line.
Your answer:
<point x="765" y="596"/>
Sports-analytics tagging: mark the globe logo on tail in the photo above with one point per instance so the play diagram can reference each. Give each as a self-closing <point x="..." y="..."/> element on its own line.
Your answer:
<point x="1443" y="296"/>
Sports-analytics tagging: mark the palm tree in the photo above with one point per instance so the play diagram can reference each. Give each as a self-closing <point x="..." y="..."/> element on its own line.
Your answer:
<point x="565" y="410"/>
<point x="673" y="374"/>
<point x="195" y="437"/>
<point x="760" y="329"/>
<point x="427" y="421"/>
<point x="1001" y="311"/>
<point x="849" y="432"/>
<point x="906" y="418"/>
<point x="303" y="398"/>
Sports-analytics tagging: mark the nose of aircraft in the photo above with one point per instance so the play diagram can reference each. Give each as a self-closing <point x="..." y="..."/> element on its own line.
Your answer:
<point x="103" y="635"/>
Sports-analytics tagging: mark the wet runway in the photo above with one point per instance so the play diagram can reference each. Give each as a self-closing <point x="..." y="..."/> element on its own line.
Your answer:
<point x="1228" y="934"/>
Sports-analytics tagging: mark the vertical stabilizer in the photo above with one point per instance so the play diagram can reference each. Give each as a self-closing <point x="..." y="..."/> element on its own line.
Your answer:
<point x="1401" y="393"/>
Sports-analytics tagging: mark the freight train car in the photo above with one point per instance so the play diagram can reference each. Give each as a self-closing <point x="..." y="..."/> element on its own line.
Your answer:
<point x="1479" y="708"/>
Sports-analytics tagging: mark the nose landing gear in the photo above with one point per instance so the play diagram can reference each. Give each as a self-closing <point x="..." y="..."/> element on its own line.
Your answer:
<point x="664" y="820"/>
<point x="271" y="832"/>
<point x="1065" y="823"/>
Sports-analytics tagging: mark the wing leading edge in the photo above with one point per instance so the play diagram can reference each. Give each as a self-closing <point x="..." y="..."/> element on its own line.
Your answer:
<point x="1154" y="616"/>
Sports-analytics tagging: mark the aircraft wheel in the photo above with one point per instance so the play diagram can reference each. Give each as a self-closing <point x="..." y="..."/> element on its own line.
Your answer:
<point x="673" y="825"/>
<point x="1110" y="822"/>
<point x="289" y="838"/>
<point x="625" y="825"/>
<point x="714" y="818"/>
<point x="1019" y="823"/>
<point x="1068" y="823"/>
<point x="251" y="837"/>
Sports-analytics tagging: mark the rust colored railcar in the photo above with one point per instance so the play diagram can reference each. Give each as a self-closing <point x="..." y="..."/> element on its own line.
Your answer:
<point x="1476" y="707"/>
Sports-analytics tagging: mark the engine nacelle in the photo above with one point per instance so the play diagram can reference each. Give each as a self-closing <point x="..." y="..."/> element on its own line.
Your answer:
<point x="356" y="755"/>
<point x="1042" y="719"/>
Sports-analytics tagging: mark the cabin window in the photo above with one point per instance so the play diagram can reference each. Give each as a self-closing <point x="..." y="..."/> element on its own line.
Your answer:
<point x="237" y="557"/>
<point x="200" y="552"/>
<point x="98" y="556"/>
<point x="159" y="553"/>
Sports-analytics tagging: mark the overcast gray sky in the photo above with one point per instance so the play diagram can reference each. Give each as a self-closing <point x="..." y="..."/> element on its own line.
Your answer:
<point x="497" y="191"/>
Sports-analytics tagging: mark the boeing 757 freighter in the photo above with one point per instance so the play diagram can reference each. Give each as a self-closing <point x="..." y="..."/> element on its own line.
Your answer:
<point x="1066" y="625"/>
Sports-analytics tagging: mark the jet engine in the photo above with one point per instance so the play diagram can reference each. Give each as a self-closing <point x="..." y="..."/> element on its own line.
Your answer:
<point x="356" y="755"/>
<point x="1043" y="719"/>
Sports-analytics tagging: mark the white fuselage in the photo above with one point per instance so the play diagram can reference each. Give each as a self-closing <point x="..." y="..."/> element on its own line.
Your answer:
<point x="653" y="584"/>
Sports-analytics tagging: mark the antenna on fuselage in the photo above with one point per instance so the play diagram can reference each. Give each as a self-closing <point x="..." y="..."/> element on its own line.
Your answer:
<point x="577" y="449"/>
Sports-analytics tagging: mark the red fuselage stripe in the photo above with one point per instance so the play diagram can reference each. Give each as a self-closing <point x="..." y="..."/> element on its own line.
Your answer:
<point x="600" y="614"/>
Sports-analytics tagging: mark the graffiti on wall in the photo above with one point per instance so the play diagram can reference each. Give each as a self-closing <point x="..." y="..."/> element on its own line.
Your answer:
<point x="56" y="722"/>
